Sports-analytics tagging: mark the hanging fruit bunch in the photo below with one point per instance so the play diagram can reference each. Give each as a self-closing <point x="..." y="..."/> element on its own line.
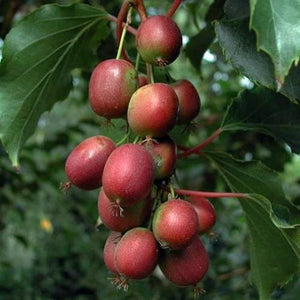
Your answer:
<point x="152" y="223"/>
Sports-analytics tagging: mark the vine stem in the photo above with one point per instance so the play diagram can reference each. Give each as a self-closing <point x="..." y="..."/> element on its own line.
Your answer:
<point x="199" y="147"/>
<point x="206" y="194"/>
<point x="140" y="7"/>
<point x="130" y="29"/>
<point x="173" y="8"/>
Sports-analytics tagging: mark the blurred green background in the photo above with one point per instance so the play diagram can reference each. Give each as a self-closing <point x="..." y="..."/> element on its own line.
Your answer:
<point x="49" y="245"/>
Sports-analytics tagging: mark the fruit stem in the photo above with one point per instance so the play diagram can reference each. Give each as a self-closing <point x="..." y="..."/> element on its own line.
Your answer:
<point x="125" y="138"/>
<point x="150" y="73"/>
<point x="137" y="61"/>
<point x="206" y="194"/>
<point x="136" y="140"/>
<point x="172" y="191"/>
<point x="173" y="8"/>
<point x="169" y="78"/>
<point x="157" y="201"/>
<point x="130" y="29"/>
<point x="128" y="21"/>
<point x="199" y="147"/>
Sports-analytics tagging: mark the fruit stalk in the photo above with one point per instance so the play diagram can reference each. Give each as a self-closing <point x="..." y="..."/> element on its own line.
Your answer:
<point x="150" y="73"/>
<point x="121" y="41"/>
<point x="173" y="8"/>
<point x="199" y="147"/>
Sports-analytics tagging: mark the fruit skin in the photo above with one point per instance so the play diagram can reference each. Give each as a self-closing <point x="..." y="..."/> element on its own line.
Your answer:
<point x="136" y="255"/>
<point x="187" y="266"/>
<point x="205" y="212"/>
<point x="131" y="217"/>
<point x="84" y="165"/>
<point x="111" y="86"/>
<point x="128" y="175"/>
<point x="189" y="101"/>
<point x="164" y="152"/>
<point x="158" y="40"/>
<point x="109" y="251"/>
<point x="175" y="223"/>
<point x="152" y="110"/>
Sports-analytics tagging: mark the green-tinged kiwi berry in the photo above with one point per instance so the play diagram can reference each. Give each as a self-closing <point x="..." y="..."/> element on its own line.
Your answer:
<point x="158" y="40"/>
<point x="153" y="110"/>
<point x="111" y="86"/>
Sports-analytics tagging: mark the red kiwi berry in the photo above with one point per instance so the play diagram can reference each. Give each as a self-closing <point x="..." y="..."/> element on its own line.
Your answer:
<point x="84" y="165"/>
<point x="174" y="224"/>
<point x="109" y="251"/>
<point x="158" y="40"/>
<point x="136" y="255"/>
<point x="189" y="101"/>
<point x="164" y="152"/>
<point x="109" y="259"/>
<point x="128" y="175"/>
<point x="185" y="267"/>
<point x="205" y="212"/>
<point x="142" y="80"/>
<point x="153" y="110"/>
<point x="111" y="86"/>
<point x="131" y="217"/>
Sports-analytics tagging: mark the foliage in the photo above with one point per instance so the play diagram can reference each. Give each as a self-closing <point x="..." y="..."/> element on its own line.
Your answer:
<point x="50" y="238"/>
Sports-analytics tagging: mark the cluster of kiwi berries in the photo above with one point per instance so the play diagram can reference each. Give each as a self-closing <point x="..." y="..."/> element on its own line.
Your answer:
<point x="149" y="225"/>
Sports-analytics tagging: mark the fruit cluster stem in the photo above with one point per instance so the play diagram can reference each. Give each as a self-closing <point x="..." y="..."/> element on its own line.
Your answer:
<point x="121" y="16"/>
<point x="173" y="8"/>
<point x="207" y="194"/>
<point x="199" y="147"/>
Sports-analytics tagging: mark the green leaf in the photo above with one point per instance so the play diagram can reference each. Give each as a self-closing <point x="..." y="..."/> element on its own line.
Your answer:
<point x="239" y="45"/>
<point x="275" y="258"/>
<point x="250" y="177"/>
<point x="236" y="9"/>
<point x="38" y="56"/>
<point x="277" y="29"/>
<point x="268" y="112"/>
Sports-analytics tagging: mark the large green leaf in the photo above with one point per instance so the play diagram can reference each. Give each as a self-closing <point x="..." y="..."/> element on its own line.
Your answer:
<point x="273" y="259"/>
<point x="239" y="45"/>
<point x="274" y="255"/>
<point x="38" y="56"/>
<point x="277" y="29"/>
<point x="268" y="112"/>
